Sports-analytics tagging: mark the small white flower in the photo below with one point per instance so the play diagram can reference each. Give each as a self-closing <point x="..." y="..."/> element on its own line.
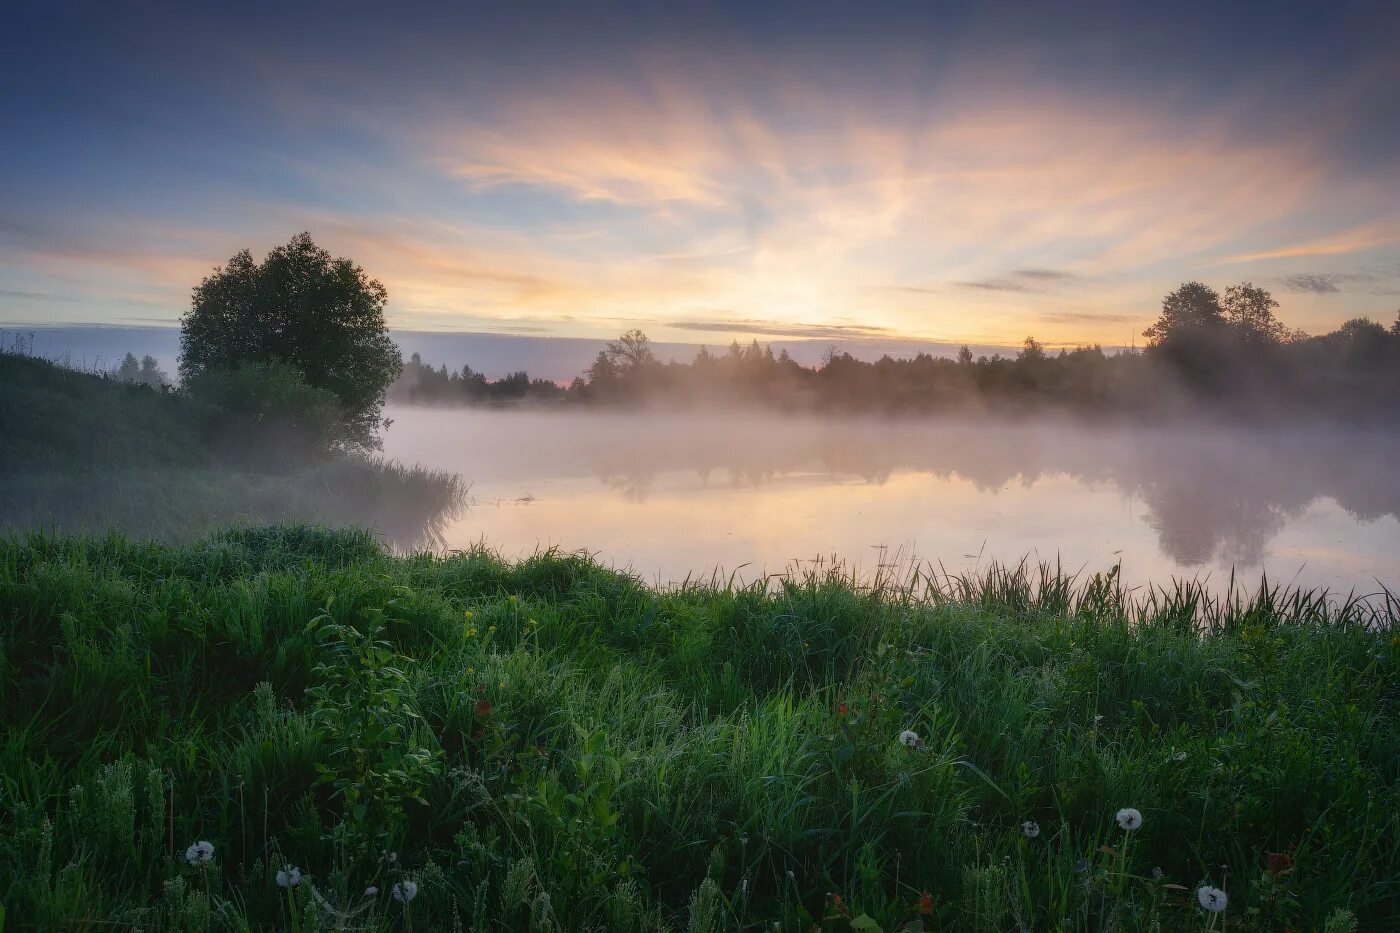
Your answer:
<point x="1129" y="818"/>
<point x="911" y="739"/>
<point x="289" y="877"/>
<point x="1212" y="899"/>
<point x="200" y="852"/>
<point x="404" y="891"/>
<point x="1178" y="756"/>
<point x="371" y="891"/>
<point x="1030" y="829"/>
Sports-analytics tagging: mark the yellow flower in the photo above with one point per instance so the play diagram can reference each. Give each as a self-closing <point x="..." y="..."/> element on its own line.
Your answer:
<point x="471" y="632"/>
<point x="491" y="628"/>
<point x="468" y="613"/>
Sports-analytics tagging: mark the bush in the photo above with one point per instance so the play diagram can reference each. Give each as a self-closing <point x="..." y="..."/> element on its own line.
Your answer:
<point x="272" y="403"/>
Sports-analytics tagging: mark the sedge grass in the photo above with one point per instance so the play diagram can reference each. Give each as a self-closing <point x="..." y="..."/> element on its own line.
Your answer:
<point x="550" y="744"/>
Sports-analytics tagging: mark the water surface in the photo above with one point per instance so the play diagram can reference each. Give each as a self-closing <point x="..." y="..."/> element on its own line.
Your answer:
<point x="677" y="496"/>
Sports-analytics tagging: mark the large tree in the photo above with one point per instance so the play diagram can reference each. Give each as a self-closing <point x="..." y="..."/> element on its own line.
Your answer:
<point x="1189" y="313"/>
<point x="1249" y="309"/>
<point x="322" y="316"/>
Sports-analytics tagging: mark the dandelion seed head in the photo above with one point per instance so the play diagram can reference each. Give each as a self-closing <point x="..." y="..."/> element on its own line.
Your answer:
<point x="371" y="891"/>
<point x="289" y="877"/>
<point x="1179" y="756"/>
<point x="910" y="739"/>
<point x="1129" y="818"/>
<point x="1030" y="829"/>
<point x="1212" y="899"/>
<point x="1157" y="873"/>
<point x="404" y="891"/>
<point x="199" y="852"/>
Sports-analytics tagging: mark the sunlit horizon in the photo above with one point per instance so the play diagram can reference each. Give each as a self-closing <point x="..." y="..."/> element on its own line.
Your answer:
<point x="938" y="175"/>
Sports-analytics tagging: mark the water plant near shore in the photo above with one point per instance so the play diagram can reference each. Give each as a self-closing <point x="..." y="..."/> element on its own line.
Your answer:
<point x="603" y="754"/>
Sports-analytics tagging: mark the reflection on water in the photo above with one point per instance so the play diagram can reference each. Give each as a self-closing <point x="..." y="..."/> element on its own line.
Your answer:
<point x="676" y="496"/>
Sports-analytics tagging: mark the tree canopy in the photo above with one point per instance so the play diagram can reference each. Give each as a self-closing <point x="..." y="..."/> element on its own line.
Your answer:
<point x="321" y="316"/>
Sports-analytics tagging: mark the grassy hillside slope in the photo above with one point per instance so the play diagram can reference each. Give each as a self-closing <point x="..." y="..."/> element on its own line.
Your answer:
<point x="83" y="452"/>
<point x="552" y="745"/>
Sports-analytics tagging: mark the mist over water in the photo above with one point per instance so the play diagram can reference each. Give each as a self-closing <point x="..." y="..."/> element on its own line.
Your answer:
<point x="687" y="495"/>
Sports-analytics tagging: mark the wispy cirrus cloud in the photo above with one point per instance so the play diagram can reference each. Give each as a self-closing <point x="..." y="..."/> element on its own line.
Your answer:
<point x="995" y="189"/>
<point x="787" y="329"/>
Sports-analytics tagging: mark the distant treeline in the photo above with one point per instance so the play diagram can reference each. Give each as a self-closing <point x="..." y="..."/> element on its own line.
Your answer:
<point x="1225" y="353"/>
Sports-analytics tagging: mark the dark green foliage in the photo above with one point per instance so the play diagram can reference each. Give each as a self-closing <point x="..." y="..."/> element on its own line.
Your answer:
<point x="550" y="744"/>
<point x="83" y="451"/>
<point x="53" y="416"/>
<point x="270" y="407"/>
<point x="301" y="307"/>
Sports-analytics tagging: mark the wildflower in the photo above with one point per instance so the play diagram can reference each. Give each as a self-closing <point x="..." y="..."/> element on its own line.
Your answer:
<point x="1212" y="899"/>
<point x="371" y="891"/>
<point x="404" y="891"/>
<point x="910" y="739"/>
<point x="1279" y="862"/>
<point x="471" y="632"/>
<point x="513" y="598"/>
<point x="1157" y="873"/>
<point x="467" y="615"/>
<point x="841" y="709"/>
<point x="1030" y="829"/>
<point x="483" y="708"/>
<point x="200" y="852"/>
<point x="490" y="629"/>
<point x="289" y="877"/>
<point x="925" y="903"/>
<point x="1179" y="756"/>
<point x="1129" y="818"/>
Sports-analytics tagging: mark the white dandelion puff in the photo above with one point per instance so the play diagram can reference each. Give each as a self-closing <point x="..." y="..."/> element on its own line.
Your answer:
<point x="404" y="891"/>
<point x="371" y="891"/>
<point x="910" y="739"/>
<point x="1212" y="899"/>
<point x="1178" y="756"/>
<point x="1030" y="829"/>
<point x="289" y="877"/>
<point x="200" y="852"/>
<point x="1129" y="818"/>
<point x="1157" y="873"/>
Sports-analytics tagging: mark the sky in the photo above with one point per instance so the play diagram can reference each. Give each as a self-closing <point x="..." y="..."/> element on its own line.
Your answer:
<point x="944" y="172"/>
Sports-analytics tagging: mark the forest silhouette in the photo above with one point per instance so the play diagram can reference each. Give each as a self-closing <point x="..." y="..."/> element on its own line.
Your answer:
<point x="1207" y="353"/>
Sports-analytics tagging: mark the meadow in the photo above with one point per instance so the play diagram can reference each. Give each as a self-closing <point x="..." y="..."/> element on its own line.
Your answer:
<point x="289" y="728"/>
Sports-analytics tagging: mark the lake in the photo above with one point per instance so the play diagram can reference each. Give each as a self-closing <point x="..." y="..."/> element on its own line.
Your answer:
<point x="677" y="496"/>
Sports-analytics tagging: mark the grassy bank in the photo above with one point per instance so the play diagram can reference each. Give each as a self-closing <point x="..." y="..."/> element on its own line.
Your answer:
<point x="83" y="452"/>
<point x="551" y="744"/>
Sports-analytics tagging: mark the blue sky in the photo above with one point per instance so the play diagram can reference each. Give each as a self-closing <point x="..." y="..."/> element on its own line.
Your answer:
<point x="945" y="172"/>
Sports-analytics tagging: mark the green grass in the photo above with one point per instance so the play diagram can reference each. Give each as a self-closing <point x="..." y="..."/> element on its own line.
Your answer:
<point x="553" y="745"/>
